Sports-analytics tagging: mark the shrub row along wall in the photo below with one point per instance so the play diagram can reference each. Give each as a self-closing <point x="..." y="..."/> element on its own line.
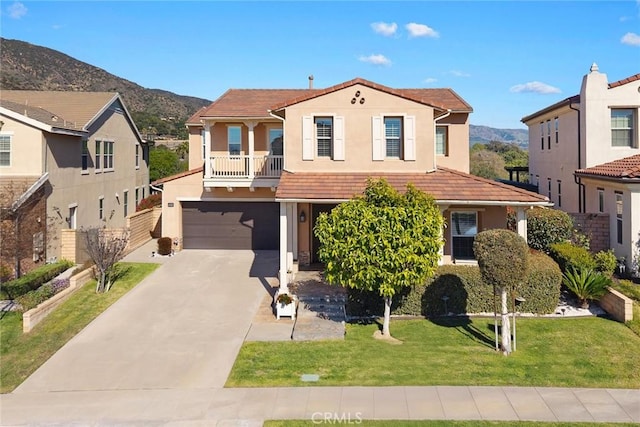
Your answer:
<point x="595" y="226"/>
<point x="465" y="293"/>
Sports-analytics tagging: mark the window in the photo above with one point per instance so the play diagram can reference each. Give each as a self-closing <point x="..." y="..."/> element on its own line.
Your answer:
<point x="622" y="127"/>
<point x="85" y="155"/>
<point x="463" y="232"/>
<point x="101" y="208"/>
<point x="137" y="197"/>
<point x="600" y="200"/>
<point x="557" y="125"/>
<point x="98" y="155"/>
<point x="324" y="136"/>
<point x="203" y="145"/>
<point x="549" y="188"/>
<point x="393" y="136"/>
<point x="442" y="141"/>
<point x="5" y="150"/>
<point x="137" y="156"/>
<point x="619" y="211"/>
<point x="73" y="216"/>
<point x="538" y="181"/>
<point x="125" y="202"/>
<point x="143" y="193"/>
<point x="549" y="134"/>
<point x="542" y="135"/>
<point x="234" y="139"/>
<point x="559" y="193"/>
<point x="275" y="141"/>
<point x="107" y="155"/>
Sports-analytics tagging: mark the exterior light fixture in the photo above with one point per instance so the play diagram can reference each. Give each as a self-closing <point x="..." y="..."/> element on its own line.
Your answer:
<point x="303" y="216"/>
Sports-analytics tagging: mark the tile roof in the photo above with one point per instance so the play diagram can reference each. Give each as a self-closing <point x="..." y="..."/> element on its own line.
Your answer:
<point x="623" y="169"/>
<point x="77" y="108"/>
<point x="178" y="176"/>
<point x="629" y="79"/>
<point x="41" y="115"/>
<point x="445" y="185"/>
<point x="244" y="103"/>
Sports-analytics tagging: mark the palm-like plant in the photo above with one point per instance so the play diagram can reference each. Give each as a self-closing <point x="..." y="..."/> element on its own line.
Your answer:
<point x="586" y="284"/>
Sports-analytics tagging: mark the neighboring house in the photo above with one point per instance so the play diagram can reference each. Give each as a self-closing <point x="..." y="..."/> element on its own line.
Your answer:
<point x="275" y="159"/>
<point x="595" y="133"/>
<point x="76" y="157"/>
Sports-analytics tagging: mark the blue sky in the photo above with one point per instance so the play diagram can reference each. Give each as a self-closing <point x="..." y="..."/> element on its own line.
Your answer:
<point x="506" y="58"/>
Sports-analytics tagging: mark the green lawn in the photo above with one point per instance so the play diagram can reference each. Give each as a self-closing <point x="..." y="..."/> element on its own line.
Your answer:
<point x="561" y="352"/>
<point x="21" y="354"/>
<point x="442" y="423"/>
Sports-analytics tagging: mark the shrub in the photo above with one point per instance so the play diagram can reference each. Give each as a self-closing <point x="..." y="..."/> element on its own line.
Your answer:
<point x="570" y="256"/>
<point x="502" y="257"/>
<point x="466" y="292"/>
<point x="6" y="273"/>
<point x="164" y="245"/>
<point x="546" y="226"/>
<point x="606" y="262"/>
<point x="33" y="280"/>
<point x="33" y="298"/>
<point x="586" y="284"/>
<point x="150" y="202"/>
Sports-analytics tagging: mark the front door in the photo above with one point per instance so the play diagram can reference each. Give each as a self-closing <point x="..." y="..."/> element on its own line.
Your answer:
<point x="316" y="210"/>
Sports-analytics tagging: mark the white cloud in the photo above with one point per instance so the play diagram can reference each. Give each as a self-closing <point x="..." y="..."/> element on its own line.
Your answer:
<point x="632" y="39"/>
<point x="457" y="73"/>
<point x="375" y="59"/>
<point x="384" y="28"/>
<point x="534" y="87"/>
<point x="56" y="26"/>
<point x="17" y="10"/>
<point x="430" y="80"/>
<point x="421" y="30"/>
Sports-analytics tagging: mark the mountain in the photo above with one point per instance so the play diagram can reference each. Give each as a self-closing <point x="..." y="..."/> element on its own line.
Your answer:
<point x="485" y="134"/>
<point x="30" y="67"/>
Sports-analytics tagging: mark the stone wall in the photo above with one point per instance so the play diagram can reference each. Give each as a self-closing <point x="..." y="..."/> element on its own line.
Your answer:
<point x="595" y="226"/>
<point x="619" y="306"/>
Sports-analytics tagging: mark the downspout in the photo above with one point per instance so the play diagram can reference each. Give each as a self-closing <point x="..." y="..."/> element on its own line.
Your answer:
<point x="577" y="179"/>
<point x="444" y="116"/>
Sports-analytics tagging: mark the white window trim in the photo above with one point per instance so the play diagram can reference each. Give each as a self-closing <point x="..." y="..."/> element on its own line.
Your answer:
<point x="379" y="141"/>
<point x="98" y="144"/>
<point x="315" y="135"/>
<point x="601" y="206"/>
<point x="112" y="156"/>
<point x="137" y="149"/>
<point x="634" y="130"/>
<point x="446" y="142"/>
<point x="310" y="140"/>
<point x="10" y="135"/>
<point x="203" y="144"/>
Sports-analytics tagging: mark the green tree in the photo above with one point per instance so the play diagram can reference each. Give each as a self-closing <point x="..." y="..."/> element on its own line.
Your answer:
<point x="382" y="241"/>
<point x="502" y="258"/>
<point x="164" y="162"/>
<point x="487" y="164"/>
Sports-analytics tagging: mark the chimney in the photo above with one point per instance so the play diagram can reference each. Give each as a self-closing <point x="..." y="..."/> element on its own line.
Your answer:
<point x="311" y="81"/>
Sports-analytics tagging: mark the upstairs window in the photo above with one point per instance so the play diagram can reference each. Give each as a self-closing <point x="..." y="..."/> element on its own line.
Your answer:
<point x="234" y="139"/>
<point x="549" y="134"/>
<point x="108" y="155"/>
<point x="137" y="157"/>
<point x="85" y="155"/>
<point x="542" y="135"/>
<point x="324" y="136"/>
<point x="464" y="227"/>
<point x="393" y="136"/>
<point x="622" y="127"/>
<point x="557" y="126"/>
<point x="275" y="141"/>
<point x="5" y="150"/>
<point x="98" y="163"/>
<point x="442" y="141"/>
<point x="203" y="145"/>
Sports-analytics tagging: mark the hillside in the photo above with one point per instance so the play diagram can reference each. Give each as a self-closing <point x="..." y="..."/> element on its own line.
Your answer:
<point x="29" y="67"/>
<point x="485" y="134"/>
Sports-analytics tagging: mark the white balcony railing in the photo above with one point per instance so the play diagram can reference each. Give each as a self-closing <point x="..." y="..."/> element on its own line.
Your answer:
<point x="244" y="166"/>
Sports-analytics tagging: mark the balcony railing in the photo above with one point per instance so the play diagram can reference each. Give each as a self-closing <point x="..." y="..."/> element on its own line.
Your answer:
<point x="244" y="166"/>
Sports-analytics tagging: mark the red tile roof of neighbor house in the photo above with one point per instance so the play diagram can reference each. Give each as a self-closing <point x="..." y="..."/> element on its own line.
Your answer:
<point x="178" y="175"/>
<point x="629" y="79"/>
<point x="623" y="169"/>
<point x="445" y="185"/>
<point x="245" y="103"/>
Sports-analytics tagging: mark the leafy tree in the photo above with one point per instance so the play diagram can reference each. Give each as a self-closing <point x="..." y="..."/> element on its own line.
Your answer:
<point x="382" y="241"/>
<point x="487" y="164"/>
<point x="164" y="162"/>
<point x="105" y="247"/>
<point x="502" y="258"/>
<point x="182" y="150"/>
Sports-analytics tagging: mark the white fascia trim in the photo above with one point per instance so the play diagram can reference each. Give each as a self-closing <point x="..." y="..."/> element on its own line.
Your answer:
<point x="115" y="97"/>
<point x="232" y="119"/>
<point x="30" y="191"/>
<point x="318" y="201"/>
<point x="490" y="203"/>
<point x="224" y="199"/>
<point x="38" y="124"/>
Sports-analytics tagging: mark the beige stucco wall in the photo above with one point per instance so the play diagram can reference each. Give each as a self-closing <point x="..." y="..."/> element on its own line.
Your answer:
<point x="457" y="156"/>
<point x="27" y="149"/>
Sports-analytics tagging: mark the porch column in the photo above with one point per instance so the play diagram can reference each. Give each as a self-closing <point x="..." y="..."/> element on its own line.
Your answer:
<point x="207" y="149"/>
<point x="521" y="221"/>
<point x="251" y="125"/>
<point x="443" y="208"/>
<point x="283" y="248"/>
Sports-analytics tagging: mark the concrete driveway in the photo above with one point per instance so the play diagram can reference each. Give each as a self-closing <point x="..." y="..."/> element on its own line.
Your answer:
<point x="181" y="328"/>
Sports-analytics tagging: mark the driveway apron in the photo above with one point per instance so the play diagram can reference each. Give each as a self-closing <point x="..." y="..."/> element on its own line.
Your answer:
<point x="181" y="328"/>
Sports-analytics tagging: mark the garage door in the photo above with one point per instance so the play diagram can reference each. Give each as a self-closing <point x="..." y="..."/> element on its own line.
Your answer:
<point x="230" y="225"/>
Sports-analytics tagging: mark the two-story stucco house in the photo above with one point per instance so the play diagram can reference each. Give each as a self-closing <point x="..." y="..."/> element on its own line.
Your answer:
<point x="583" y="152"/>
<point x="275" y="159"/>
<point x="80" y="153"/>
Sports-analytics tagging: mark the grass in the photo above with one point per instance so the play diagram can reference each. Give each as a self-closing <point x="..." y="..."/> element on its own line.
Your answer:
<point x="570" y="352"/>
<point x="21" y="354"/>
<point x="439" y="423"/>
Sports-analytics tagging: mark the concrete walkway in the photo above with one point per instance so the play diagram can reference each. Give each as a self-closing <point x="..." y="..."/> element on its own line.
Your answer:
<point x="160" y="357"/>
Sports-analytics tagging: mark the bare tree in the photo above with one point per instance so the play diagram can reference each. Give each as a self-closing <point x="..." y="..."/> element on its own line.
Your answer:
<point x="105" y="247"/>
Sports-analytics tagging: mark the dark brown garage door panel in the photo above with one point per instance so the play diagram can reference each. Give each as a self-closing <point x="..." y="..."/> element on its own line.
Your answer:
<point x="230" y="225"/>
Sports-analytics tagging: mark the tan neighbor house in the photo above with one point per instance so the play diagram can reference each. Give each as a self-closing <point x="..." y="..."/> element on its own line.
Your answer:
<point x="264" y="163"/>
<point x="584" y="155"/>
<point x="79" y="152"/>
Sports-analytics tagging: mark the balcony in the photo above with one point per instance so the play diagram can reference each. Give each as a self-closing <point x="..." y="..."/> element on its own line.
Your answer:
<point x="243" y="170"/>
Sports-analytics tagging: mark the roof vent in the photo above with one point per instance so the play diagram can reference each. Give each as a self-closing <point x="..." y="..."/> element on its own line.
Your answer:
<point x="311" y="81"/>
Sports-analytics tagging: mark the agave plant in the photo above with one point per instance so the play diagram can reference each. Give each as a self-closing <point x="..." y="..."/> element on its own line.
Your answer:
<point x="586" y="284"/>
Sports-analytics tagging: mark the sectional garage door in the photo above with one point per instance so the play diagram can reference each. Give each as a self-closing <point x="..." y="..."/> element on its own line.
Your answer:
<point x="230" y="225"/>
